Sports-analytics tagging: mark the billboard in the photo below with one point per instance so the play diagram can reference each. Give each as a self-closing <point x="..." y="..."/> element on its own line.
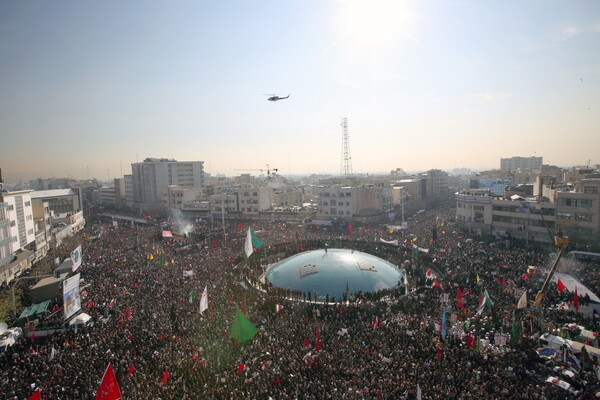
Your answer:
<point x="71" y="298"/>
<point x="76" y="258"/>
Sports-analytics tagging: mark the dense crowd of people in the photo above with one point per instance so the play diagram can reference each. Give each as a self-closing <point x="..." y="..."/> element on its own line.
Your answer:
<point x="390" y="345"/>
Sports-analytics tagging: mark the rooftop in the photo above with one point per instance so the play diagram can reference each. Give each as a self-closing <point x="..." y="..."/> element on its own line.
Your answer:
<point x="42" y="194"/>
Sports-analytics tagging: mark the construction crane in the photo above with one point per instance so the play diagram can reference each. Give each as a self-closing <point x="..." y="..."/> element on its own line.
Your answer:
<point x="268" y="169"/>
<point x="562" y="242"/>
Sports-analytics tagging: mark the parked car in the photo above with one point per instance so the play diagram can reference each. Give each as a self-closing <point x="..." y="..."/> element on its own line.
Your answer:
<point x="9" y="337"/>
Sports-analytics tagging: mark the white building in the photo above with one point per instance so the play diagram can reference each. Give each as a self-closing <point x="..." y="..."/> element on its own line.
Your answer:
<point x="356" y="203"/>
<point x="20" y="215"/>
<point x="153" y="176"/>
<point x="481" y="213"/>
<point x="17" y="231"/>
<point x="514" y="163"/>
<point x="66" y="210"/>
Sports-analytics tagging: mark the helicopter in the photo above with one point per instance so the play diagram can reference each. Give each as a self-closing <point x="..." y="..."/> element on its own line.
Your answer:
<point x="273" y="97"/>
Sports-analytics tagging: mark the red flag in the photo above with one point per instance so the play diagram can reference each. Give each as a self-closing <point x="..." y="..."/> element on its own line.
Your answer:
<point x="376" y="324"/>
<point x="560" y="286"/>
<point x="37" y="395"/>
<point x="439" y="353"/>
<point x="305" y="342"/>
<point x="471" y="342"/>
<point x="435" y="283"/>
<point x="525" y="276"/>
<point x="131" y="369"/>
<point x="350" y="228"/>
<point x="240" y="226"/>
<point x="165" y="377"/>
<point x="317" y="337"/>
<point x="576" y="299"/>
<point x="459" y="298"/>
<point x="244" y="305"/>
<point x="240" y="368"/>
<point x="109" y="387"/>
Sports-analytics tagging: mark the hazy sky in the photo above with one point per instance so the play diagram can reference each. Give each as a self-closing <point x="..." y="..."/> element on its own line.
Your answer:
<point x="97" y="85"/>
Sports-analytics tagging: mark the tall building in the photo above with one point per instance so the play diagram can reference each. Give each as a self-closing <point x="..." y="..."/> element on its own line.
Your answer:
<point x="153" y="176"/>
<point x="128" y="182"/>
<point x="17" y="231"/>
<point x="514" y="163"/>
<point x="20" y="215"/>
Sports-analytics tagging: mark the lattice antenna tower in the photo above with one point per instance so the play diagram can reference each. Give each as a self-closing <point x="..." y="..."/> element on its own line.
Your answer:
<point x="346" y="167"/>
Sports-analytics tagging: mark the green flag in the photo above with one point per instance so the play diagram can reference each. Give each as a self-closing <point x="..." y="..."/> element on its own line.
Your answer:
<point x="242" y="330"/>
<point x="256" y="242"/>
<point x="516" y="332"/>
<point x="252" y="243"/>
<point x="192" y="296"/>
<point x="486" y="300"/>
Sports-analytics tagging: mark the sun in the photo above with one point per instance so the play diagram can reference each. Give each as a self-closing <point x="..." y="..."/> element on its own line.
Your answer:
<point x="373" y="22"/>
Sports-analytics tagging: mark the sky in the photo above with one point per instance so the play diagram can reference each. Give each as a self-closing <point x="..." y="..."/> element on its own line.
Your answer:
<point x="89" y="87"/>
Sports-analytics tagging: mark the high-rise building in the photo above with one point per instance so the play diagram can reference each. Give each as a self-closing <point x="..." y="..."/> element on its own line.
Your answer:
<point x="17" y="230"/>
<point x="153" y="176"/>
<point x="514" y="163"/>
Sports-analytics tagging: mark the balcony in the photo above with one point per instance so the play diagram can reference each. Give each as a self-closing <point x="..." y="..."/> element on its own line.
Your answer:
<point x="4" y="223"/>
<point x="6" y="241"/>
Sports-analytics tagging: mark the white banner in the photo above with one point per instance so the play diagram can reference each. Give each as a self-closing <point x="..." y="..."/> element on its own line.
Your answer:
<point x="76" y="258"/>
<point x="71" y="296"/>
<point x="500" y="339"/>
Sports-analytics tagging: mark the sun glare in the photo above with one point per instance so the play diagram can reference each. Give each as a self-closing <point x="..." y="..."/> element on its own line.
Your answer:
<point x="373" y="22"/>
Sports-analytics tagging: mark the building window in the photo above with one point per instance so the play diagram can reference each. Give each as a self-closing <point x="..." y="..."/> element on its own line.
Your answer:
<point x="575" y="202"/>
<point x="30" y="232"/>
<point x="590" y="189"/>
<point x="13" y="223"/>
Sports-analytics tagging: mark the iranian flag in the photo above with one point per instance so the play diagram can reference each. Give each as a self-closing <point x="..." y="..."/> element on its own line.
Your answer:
<point x="252" y="243"/>
<point x="486" y="300"/>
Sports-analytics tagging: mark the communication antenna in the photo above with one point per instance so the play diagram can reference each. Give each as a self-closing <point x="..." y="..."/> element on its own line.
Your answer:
<point x="346" y="168"/>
